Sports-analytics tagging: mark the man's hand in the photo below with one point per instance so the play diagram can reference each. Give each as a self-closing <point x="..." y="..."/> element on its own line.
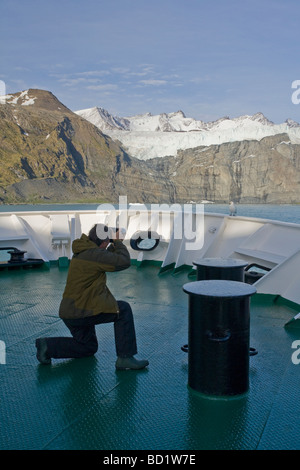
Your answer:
<point x="118" y="234"/>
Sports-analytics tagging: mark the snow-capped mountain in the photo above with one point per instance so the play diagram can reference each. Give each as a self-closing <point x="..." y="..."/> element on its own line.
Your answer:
<point x="51" y="154"/>
<point x="103" y="120"/>
<point x="21" y="98"/>
<point x="34" y="98"/>
<point x="149" y="136"/>
<point x="172" y="122"/>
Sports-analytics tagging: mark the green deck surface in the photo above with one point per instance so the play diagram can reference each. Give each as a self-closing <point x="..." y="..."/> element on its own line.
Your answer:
<point x="87" y="404"/>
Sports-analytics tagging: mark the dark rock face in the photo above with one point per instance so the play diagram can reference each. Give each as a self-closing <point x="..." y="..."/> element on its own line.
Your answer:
<point x="265" y="171"/>
<point x="50" y="154"/>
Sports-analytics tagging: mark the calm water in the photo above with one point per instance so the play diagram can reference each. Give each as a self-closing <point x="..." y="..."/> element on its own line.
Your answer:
<point x="284" y="212"/>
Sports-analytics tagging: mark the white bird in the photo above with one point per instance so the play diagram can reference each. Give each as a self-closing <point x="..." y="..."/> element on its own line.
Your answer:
<point x="232" y="208"/>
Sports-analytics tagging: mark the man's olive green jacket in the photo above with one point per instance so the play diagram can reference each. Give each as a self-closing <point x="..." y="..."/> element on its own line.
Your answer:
<point x="86" y="292"/>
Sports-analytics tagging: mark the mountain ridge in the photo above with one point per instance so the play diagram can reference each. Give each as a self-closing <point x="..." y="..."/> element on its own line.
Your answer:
<point x="149" y="136"/>
<point x="48" y="153"/>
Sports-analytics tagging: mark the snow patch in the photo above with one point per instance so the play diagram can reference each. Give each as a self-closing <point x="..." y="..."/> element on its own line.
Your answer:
<point x="26" y="100"/>
<point x="4" y="98"/>
<point x="20" y="98"/>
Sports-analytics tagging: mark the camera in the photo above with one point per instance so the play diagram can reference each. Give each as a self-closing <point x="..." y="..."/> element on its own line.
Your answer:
<point x="114" y="231"/>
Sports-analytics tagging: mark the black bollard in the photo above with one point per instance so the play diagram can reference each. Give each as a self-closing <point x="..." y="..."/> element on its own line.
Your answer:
<point x="230" y="269"/>
<point x="218" y="336"/>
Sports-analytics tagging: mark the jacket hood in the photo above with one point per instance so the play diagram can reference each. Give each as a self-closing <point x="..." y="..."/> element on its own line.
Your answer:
<point x="83" y="243"/>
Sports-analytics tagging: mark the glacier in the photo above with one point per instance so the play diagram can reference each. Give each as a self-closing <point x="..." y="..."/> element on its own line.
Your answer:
<point x="149" y="136"/>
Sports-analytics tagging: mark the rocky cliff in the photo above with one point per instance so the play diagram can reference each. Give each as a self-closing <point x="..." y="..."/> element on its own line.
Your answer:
<point x="251" y="171"/>
<point x="50" y="154"/>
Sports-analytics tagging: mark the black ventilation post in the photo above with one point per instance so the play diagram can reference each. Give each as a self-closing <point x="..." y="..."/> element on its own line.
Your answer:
<point x="230" y="269"/>
<point x="218" y="336"/>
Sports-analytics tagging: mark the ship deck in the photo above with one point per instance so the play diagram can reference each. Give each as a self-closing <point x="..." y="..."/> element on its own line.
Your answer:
<point x="87" y="404"/>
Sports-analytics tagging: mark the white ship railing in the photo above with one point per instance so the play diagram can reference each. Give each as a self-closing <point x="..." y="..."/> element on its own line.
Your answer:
<point x="48" y="235"/>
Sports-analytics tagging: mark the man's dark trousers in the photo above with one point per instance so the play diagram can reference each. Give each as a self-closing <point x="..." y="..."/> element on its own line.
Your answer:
<point x="84" y="340"/>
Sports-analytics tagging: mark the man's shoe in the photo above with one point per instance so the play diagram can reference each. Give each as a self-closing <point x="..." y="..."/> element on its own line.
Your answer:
<point x="41" y="354"/>
<point x="126" y="363"/>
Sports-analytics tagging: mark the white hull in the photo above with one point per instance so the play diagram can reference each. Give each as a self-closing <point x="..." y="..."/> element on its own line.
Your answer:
<point x="275" y="245"/>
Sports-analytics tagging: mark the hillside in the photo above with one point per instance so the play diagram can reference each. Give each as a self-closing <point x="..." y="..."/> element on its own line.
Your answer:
<point x="48" y="153"/>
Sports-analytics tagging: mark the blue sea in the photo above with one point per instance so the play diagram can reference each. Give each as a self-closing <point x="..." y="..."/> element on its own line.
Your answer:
<point x="282" y="212"/>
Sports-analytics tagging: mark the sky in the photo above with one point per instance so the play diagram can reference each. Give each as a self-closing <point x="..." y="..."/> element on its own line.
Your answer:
<point x="207" y="58"/>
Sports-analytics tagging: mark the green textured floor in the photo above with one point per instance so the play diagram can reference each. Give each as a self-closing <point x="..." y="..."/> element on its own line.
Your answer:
<point x="86" y="404"/>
